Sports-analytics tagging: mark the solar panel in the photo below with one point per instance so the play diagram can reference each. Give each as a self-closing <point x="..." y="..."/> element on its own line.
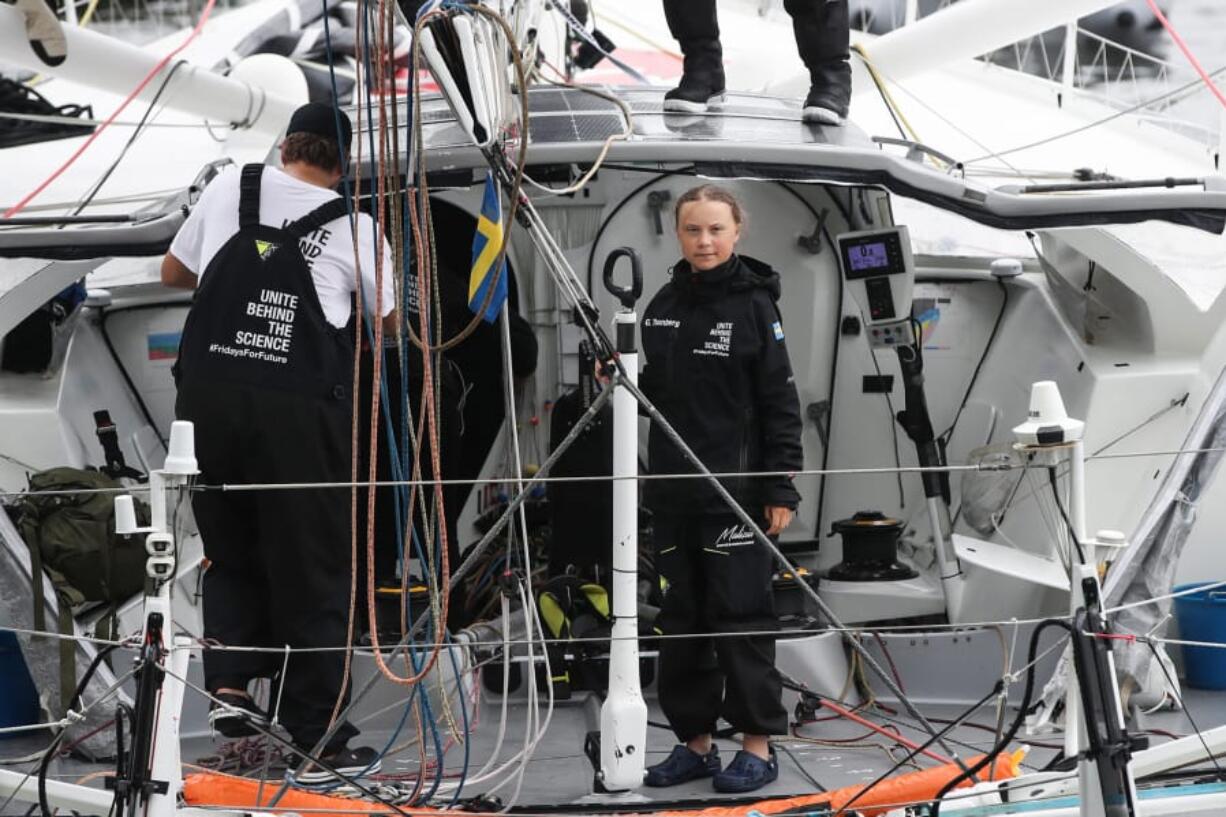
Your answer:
<point x="569" y="116"/>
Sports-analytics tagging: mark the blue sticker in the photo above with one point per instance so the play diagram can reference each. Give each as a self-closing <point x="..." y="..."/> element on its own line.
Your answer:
<point x="778" y="329"/>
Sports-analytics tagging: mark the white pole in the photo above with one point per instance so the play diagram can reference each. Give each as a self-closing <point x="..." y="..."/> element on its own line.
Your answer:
<point x="1077" y="493"/>
<point x="910" y="12"/>
<point x="23" y="788"/>
<point x="105" y="63"/>
<point x="623" y="717"/>
<point x="1070" y="56"/>
<point x="969" y="29"/>
<point x="164" y="761"/>
<point x="947" y="564"/>
<point x="1074" y="734"/>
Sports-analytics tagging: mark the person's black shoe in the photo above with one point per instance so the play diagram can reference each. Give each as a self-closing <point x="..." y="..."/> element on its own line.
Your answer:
<point x="695" y="94"/>
<point x="236" y="716"/>
<point x="681" y="766"/>
<point x="826" y="106"/>
<point x="357" y="762"/>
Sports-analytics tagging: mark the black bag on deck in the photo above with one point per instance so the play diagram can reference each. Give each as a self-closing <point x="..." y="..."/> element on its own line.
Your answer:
<point x="582" y="512"/>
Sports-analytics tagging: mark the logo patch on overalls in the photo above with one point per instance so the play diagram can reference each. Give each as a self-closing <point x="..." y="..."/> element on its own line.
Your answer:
<point x="265" y="248"/>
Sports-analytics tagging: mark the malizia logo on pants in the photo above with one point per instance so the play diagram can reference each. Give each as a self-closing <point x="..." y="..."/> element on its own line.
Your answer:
<point x="734" y="537"/>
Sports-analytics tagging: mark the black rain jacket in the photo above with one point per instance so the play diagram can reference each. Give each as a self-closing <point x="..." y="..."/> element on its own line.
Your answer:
<point x="717" y="367"/>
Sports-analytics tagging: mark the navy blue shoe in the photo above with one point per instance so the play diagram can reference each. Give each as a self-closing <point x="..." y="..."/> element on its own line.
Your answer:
<point x="747" y="772"/>
<point x="682" y="766"/>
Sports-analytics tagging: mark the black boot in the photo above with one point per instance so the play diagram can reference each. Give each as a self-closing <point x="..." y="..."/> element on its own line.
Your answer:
<point x="821" y="28"/>
<point x="695" y="26"/>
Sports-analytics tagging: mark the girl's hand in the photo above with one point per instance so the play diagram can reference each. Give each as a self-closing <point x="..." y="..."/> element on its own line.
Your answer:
<point x="778" y="518"/>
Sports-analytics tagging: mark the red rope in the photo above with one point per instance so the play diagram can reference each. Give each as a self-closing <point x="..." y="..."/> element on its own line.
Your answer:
<point x="157" y="69"/>
<point x="1187" y="52"/>
<point x="899" y="739"/>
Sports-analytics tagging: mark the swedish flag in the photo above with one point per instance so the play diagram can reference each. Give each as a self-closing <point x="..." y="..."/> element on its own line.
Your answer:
<point x="486" y="244"/>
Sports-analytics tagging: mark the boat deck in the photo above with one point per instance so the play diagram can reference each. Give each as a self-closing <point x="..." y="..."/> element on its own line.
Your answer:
<point x="830" y="754"/>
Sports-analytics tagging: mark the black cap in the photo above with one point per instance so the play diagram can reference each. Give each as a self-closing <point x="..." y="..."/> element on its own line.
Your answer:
<point x="321" y="120"/>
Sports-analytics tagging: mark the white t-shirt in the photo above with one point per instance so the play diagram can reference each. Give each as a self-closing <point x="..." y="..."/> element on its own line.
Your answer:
<point x="328" y="251"/>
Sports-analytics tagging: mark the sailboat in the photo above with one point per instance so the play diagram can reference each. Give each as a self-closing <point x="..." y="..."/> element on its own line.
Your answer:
<point x="1099" y="287"/>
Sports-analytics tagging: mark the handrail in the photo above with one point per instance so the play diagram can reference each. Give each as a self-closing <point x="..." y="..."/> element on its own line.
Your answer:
<point x="1098" y="69"/>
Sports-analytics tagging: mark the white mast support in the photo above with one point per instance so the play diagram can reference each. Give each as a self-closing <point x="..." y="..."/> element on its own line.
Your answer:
<point x="1077" y="495"/>
<point x="1069" y="73"/>
<point x="952" y="579"/>
<point x="910" y="12"/>
<point x="165" y="763"/>
<point x="1075" y="738"/>
<point x="623" y="717"/>
<point x="105" y="63"/>
<point x="23" y="788"/>
<point x="969" y="29"/>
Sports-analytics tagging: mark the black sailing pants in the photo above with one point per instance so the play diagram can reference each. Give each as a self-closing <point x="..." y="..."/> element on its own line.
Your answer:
<point x="821" y="28"/>
<point x="279" y="560"/>
<point x="718" y="581"/>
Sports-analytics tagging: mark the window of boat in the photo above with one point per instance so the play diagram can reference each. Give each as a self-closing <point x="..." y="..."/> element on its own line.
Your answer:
<point x="942" y="233"/>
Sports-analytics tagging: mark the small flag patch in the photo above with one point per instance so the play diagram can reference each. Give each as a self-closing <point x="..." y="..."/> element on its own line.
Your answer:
<point x="163" y="345"/>
<point x="265" y="248"/>
<point x="777" y="328"/>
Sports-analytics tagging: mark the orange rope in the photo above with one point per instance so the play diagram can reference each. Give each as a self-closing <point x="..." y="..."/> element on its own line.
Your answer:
<point x="428" y="407"/>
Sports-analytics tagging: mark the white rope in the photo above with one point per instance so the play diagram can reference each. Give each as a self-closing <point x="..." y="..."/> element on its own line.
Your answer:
<point x="1204" y="588"/>
<point x="75" y="120"/>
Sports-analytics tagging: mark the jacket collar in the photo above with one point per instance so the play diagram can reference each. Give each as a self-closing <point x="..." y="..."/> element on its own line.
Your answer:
<point x="701" y="285"/>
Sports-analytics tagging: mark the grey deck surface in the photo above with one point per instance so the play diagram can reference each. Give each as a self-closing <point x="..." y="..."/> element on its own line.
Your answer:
<point x="559" y="773"/>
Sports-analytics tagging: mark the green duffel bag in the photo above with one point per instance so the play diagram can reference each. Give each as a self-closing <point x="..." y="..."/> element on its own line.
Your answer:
<point x="71" y="537"/>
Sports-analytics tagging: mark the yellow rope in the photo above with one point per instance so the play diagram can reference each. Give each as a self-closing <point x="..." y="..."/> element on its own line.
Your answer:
<point x="656" y="44"/>
<point x="890" y="102"/>
<point x="89" y="13"/>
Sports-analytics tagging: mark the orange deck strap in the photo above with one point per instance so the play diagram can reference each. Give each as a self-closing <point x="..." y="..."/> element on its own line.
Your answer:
<point x="211" y="789"/>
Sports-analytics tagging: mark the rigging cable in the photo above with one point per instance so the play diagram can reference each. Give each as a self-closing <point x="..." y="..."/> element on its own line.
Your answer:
<point x="1172" y="685"/>
<point x="137" y="132"/>
<point x="89" y="140"/>
<point x="946" y="435"/>
<point x="1055" y="492"/>
<point x="1187" y="52"/>
<point x="1022" y="711"/>
<point x="1140" y="106"/>
<point x="891" y="106"/>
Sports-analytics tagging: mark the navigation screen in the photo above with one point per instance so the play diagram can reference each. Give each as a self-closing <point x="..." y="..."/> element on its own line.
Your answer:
<point x="868" y="256"/>
<point x="872" y="254"/>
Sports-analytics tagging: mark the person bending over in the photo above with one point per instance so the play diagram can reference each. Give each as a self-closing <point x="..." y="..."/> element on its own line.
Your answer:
<point x="265" y="372"/>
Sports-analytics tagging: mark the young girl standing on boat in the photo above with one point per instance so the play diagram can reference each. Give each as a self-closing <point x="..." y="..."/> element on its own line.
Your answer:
<point x="717" y="368"/>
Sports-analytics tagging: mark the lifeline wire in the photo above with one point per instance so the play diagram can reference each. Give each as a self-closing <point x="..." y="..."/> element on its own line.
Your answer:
<point x="544" y="480"/>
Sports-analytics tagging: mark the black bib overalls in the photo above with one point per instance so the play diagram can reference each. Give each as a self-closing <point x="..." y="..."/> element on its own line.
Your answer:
<point x="267" y="380"/>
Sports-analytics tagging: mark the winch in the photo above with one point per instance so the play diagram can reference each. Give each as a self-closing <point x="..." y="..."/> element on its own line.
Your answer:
<point x="870" y="549"/>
